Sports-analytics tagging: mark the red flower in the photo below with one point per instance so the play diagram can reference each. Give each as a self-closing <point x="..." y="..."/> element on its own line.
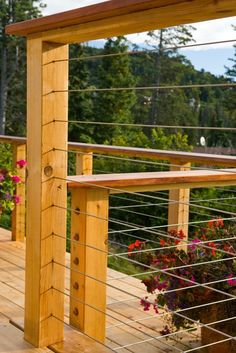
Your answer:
<point x="220" y="223"/>
<point x="162" y="242"/>
<point x="213" y="246"/>
<point x="21" y="163"/>
<point x="16" y="179"/>
<point x="211" y="223"/>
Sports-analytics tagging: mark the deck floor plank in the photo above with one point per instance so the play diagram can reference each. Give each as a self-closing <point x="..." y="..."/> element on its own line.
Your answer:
<point x="18" y="344"/>
<point x="127" y="323"/>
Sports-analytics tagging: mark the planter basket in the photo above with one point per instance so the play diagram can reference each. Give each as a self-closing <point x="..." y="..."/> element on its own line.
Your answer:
<point x="217" y="312"/>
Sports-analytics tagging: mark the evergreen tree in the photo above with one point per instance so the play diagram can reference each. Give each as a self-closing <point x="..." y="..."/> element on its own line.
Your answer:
<point x="80" y="103"/>
<point x="114" y="106"/>
<point x="12" y="64"/>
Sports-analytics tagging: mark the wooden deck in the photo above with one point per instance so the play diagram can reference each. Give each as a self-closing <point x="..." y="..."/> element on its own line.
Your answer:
<point x="122" y="307"/>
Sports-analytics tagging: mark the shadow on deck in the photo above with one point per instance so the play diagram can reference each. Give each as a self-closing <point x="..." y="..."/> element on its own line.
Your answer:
<point x="127" y="324"/>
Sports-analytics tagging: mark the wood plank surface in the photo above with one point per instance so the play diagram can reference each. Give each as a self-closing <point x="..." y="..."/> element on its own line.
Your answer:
<point x="12" y="341"/>
<point x="126" y="322"/>
<point x="193" y="157"/>
<point x="115" y="17"/>
<point x="150" y="181"/>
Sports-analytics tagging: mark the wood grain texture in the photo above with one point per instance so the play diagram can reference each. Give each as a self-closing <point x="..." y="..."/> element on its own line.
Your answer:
<point x="180" y="157"/>
<point x="178" y="208"/>
<point x="19" y="213"/>
<point x="11" y="340"/>
<point x="84" y="163"/>
<point x="89" y="239"/>
<point x="119" y="288"/>
<point x="118" y="183"/>
<point x="44" y="309"/>
<point x="116" y="17"/>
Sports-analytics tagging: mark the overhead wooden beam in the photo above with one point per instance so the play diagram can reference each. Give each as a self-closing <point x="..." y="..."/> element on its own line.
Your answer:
<point x="144" y="182"/>
<point x="117" y="17"/>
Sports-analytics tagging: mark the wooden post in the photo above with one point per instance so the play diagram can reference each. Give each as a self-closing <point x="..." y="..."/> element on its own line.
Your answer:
<point x="19" y="213"/>
<point x="84" y="163"/>
<point x="178" y="210"/>
<point x="46" y="191"/>
<point x="89" y="232"/>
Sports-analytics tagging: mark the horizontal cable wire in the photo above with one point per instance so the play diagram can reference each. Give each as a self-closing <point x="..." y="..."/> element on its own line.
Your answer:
<point x="146" y="51"/>
<point x="115" y="318"/>
<point x="152" y="126"/>
<point x="165" y="271"/>
<point x="142" y="88"/>
<point x="178" y="313"/>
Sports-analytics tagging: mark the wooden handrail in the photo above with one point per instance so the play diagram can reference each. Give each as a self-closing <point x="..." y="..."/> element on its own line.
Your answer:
<point x="113" y="18"/>
<point x="172" y="156"/>
<point x="118" y="183"/>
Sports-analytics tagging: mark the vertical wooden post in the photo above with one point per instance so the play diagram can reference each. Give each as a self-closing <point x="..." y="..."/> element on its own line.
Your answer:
<point x="46" y="191"/>
<point x="19" y="213"/>
<point x="178" y="210"/>
<point x="89" y="232"/>
<point x="84" y="163"/>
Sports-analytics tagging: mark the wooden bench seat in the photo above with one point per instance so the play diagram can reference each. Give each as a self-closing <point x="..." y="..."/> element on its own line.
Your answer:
<point x="154" y="181"/>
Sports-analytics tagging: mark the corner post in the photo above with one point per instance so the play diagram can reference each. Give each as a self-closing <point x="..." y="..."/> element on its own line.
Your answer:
<point x="47" y="73"/>
<point x="19" y="212"/>
<point x="89" y="232"/>
<point x="178" y="209"/>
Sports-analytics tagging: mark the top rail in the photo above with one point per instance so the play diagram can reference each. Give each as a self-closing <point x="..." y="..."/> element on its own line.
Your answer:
<point x="115" y="17"/>
<point x="172" y="156"/>
<point x="155" y="181"/>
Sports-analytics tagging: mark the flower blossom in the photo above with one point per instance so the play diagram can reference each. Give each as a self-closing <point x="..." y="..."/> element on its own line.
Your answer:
<point x="21" y="163"/>
<point x="193" y="244"/>
<point x="17" y="199"/>
<point x="231" y="281"/>
<point x="16" y="179"/>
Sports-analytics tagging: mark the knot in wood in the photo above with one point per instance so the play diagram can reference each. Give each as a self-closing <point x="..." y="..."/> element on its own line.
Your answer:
<point x="48" y="171"/>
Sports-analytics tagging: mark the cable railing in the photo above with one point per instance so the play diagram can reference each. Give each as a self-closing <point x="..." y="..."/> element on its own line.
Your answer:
<point x="83" y="243"/>
<point x="149" y="233"/>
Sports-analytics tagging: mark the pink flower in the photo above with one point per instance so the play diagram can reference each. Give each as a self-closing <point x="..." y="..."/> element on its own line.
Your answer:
<point x="145" y="303"/>
<point x="1" y="177"/>
<point x="192" y="246"/>
<point x="17" y="199"/>
<point x="231" y="281"/>
<point x="21" y="163"/>
<point x="16" y="179"/>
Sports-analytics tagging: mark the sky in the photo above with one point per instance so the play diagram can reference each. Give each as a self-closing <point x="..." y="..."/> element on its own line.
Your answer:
<point x="212" y="58"/>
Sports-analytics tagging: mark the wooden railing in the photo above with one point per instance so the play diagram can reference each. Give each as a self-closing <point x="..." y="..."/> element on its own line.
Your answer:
<point x="178" y="206"/>
<point x="92" y="232"/>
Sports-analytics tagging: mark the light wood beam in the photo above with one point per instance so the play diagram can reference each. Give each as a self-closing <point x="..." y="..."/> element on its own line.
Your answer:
<point x="45" y="255"/>
<point x="178" y="209"/>
<point x="89" y="233"/>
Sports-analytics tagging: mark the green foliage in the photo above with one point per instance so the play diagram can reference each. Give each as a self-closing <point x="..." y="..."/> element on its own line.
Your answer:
<point x="114" y="107"/>
<point x="13" y="65"/>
